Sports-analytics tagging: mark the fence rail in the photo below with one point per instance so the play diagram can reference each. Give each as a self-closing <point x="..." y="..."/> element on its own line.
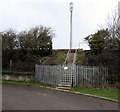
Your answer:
<point x="88" y="76"/>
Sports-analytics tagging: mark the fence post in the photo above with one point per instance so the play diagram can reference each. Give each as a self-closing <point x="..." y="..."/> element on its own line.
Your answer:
<point x="75" y="75"/>
<point x="93" y="75"/>
<point x="36" y="73"/>
<point x="71" y="69"/>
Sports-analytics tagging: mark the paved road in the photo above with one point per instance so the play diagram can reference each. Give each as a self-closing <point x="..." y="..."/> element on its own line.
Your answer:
<point x="31" y="98"/>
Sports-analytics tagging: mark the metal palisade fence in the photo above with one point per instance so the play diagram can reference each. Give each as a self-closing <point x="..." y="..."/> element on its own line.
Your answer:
<point x="48" y="74"/>
<point x="88" y="76"/>
<point x="91" y="76"/>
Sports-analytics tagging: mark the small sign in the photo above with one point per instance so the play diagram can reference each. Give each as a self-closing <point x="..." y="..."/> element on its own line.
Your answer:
<point x="65" y="68"/>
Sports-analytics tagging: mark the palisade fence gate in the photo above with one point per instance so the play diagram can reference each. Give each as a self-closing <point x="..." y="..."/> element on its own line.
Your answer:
<point x="89" y="76"/>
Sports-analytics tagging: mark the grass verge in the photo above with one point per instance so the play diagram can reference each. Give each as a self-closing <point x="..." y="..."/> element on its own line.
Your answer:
<point x="17" y="73"/>
<point x="109" y="93"/>
<point x="26" y="83"/>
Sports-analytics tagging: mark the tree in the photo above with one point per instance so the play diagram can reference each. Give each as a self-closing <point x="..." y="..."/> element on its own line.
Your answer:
<point x="9" y="39"/>
<point x="8" y="45"/>
<point x="97" y="41"/>
<point x="105" y="48"/>
<point x="113" y="24"/>
<point x="37" y="39"/>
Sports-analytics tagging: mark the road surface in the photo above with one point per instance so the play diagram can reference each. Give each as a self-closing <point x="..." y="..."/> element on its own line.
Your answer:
<point x="34" y="98"/>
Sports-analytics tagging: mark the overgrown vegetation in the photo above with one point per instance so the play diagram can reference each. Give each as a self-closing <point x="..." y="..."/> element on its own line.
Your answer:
<point x="105" y="49"/>
<point x="56" y="58"/>
<point x="81" y="59"/>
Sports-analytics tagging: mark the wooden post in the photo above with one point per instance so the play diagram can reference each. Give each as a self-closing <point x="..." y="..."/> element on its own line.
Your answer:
<point x="10" y="64"/>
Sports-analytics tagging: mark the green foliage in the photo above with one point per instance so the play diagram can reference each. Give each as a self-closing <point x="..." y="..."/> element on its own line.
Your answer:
<point x="104" y="51"/>
<point x="9" y="40"/>
<point x="97" y="41"/>
<point x="8" y="45"/>
<point x="81" y="59"/>
<point x="38" y="38"/>
<point x="61" y="58"/>
<point x="56" y="58"/>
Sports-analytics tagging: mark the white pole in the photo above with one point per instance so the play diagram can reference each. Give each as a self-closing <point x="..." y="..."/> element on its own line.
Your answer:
<point x="71" y="10"/>
<point x="119" y="15"/>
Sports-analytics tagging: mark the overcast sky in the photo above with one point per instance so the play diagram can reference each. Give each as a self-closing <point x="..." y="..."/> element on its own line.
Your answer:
<point x="88" y="15"/>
